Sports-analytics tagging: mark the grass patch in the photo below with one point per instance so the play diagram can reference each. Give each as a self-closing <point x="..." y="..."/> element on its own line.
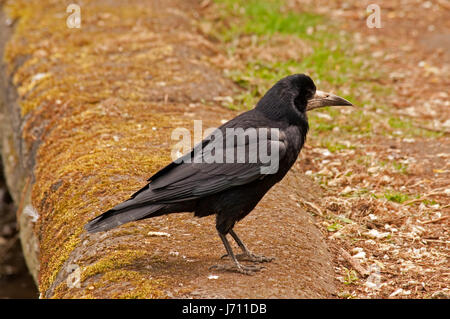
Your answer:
<point x="265" y="18"/>
<point x="351" y="277"/>
<point x="406" y="127"/>
<point x="400" y="167"/>
<point x="334" y="227"/>
<point x="396" y="197"/>
<point x="334" y="146"/>
<point x="331" y="61"/>
<point x="429" y="202"/>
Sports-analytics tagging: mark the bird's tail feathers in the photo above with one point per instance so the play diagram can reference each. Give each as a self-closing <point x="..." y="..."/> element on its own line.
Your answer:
<point x="118" y="216"/>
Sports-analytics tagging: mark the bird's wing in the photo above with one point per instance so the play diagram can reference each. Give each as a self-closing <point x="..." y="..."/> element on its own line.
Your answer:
<point x="190" y="180"/>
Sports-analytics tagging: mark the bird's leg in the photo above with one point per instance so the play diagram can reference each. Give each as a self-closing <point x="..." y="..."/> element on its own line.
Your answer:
<point x="247" y="254"/>
<point x="247" y="270"/>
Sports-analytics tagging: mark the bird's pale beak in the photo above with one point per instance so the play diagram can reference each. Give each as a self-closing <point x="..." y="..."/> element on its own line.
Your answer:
<point x="321" y="99"/>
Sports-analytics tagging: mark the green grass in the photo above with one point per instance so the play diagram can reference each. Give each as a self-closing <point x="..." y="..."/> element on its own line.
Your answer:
<point x="330" y="62"/>
<point x="334" y="227"/>
<point x="383" y="90"/>
<point x="396" y="197"/>
<point x="364" y="160"/>
<point x="266" y="18"/>
<point x="400" y="167"/>
<point x="429" y="202"/>
<point x="397" y="166"/>
<point x="407" y="128"/>
<point x="398" y="123"/>
<point x="351" y="277"/>
<point x="334" y="146"/>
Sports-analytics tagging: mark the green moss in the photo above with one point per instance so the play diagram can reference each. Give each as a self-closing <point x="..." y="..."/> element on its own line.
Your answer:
<point x="87" y="107"/>
<point x="67" y="160"/>
<point x="59" y="257"/>
<point x="140" y="285"/>
<point x="134" y="285"/>
<point x="113" y="260"/>
<point x="140" y="288"/>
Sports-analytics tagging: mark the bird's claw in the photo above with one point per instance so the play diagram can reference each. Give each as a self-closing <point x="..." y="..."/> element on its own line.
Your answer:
<point x="225" y="256"/>
<point x="254" y="258"/>
<point x="251" y="257"/>
<point x="242" y="269"/>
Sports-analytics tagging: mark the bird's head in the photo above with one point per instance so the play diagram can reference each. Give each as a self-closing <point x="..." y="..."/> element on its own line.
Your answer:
<point x="295" y="95"/>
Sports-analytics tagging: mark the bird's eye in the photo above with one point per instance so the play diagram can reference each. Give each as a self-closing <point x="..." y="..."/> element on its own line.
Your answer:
<point x="310" y="94"/>
<point x="300" y="102"/>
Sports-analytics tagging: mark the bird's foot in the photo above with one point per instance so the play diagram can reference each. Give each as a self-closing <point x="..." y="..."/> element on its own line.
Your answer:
<point x="254" y="258"/>
<point x="242" y="269"/>
<point x="251" y="257"/>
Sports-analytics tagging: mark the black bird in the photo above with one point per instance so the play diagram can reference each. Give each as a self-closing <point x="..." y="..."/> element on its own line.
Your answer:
<point x="229" y="190"/>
